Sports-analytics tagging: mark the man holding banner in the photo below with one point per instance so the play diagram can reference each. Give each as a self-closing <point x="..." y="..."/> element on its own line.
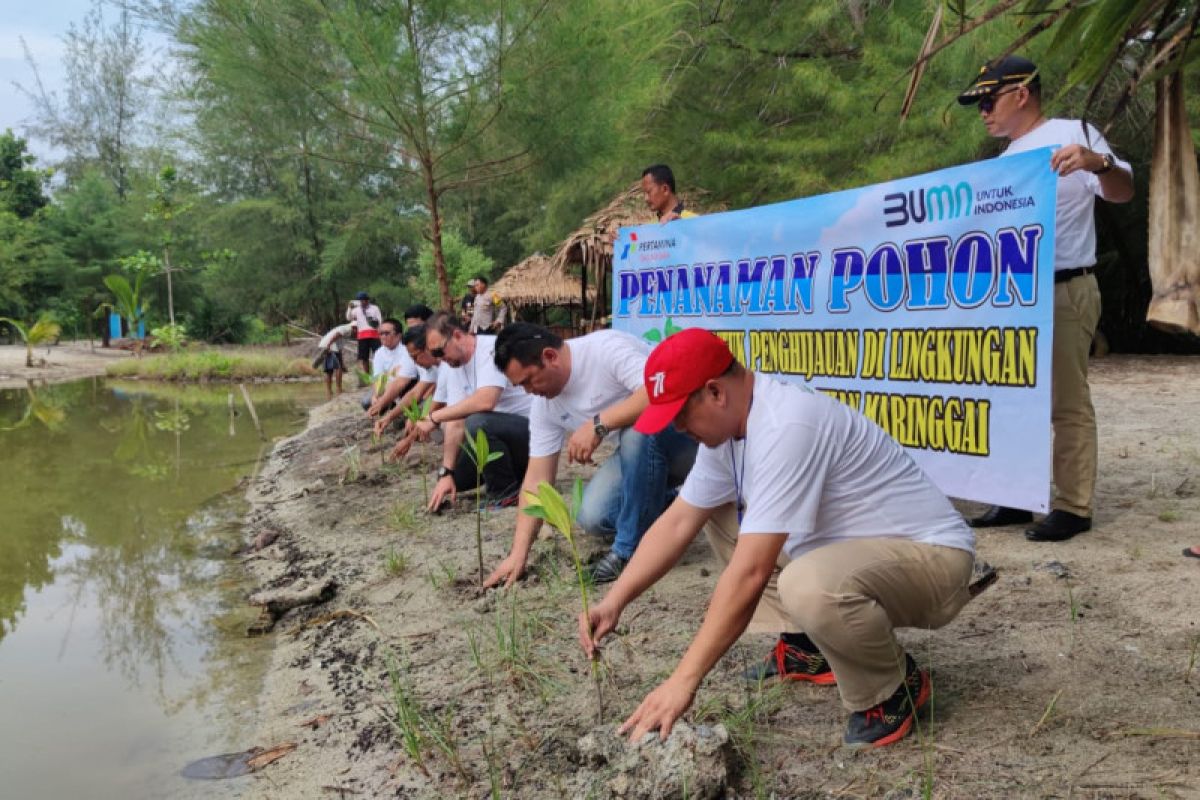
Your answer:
<point x="871" y="544"/>
<point x="1008" y="93"/>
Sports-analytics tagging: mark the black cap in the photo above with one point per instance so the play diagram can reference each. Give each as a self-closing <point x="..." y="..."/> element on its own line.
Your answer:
<point x="361" y="296"/>
<point x="1007" y="71"/>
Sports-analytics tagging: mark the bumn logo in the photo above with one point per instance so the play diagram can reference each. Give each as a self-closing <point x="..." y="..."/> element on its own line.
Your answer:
<point x="935" y="203"/>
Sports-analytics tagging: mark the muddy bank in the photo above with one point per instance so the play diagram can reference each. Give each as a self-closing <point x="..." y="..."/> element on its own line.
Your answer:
<point x="1075" y="675"/>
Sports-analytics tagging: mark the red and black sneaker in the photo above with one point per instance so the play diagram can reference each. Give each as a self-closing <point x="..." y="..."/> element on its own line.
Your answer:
<point x="794" y="658"/>
<point x="891" y="720"/>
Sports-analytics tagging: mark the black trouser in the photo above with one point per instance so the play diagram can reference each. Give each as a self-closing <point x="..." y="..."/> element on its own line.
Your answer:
<point x="507" y="434"/>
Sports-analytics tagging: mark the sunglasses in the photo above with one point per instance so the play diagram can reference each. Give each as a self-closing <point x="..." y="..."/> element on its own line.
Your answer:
<point x="437" y="352"/>
<point x="987" y="104"/>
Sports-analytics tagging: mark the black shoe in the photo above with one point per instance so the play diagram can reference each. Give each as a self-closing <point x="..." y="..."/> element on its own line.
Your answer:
<point x="1001" y="515"/>
<point x="1058" y="526"/>
<point x="609" y="568"/>
<point x="891" y="720"/>
<point x="795" y="660"/>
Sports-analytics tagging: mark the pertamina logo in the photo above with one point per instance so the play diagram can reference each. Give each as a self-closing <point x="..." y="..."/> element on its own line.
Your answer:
<point x="935" y="203"/>
<point x="651" y="248"/>
<point x="631" y="247"/>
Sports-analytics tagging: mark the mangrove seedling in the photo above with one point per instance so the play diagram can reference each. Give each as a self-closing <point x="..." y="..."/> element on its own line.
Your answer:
<point x="480" y="453"/>
<point x="414" y="413"/>
<point x="549" y="505"/>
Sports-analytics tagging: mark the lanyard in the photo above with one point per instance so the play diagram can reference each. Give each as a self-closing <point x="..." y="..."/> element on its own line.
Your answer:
<point x="738" y="478"/>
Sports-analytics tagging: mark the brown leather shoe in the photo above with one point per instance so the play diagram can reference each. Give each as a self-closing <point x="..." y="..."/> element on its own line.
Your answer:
<point x="1001" y="515"/>
<point x="1058" y="526"/>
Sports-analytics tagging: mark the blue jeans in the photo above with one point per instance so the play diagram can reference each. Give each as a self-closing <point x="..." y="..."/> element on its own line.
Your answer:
<point x="632" y="488"/>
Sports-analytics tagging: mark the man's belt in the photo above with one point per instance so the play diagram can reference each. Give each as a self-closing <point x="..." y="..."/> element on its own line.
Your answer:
<point x="1064" y="275"/>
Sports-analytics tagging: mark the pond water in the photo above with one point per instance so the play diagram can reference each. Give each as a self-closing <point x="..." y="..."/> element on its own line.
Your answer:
<point x="122" y="616"/>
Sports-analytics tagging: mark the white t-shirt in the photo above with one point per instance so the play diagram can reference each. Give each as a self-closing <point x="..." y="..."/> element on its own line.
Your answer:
<point x="332" y="340"/>
<point x="403" y="366"/>
<point x="388" y="359"/>
<point x="1075" y="226"/>
<point x="821" y="472"/>
<point x="480" y="371"/>
<point x="606" y="367"/>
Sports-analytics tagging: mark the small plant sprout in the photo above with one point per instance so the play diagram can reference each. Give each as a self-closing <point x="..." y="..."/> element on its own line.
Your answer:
<point x="353" y="464"/>
<point x="481" y="455"/>
<point x="549" y="505"/>
<point x="414" y="413"/>
<point x="395" y="563"/>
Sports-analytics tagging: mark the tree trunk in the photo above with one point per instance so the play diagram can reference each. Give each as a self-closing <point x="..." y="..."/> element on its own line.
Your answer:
<point x="170" y="291"/>
<point x="1174" y="215"/>
<point x="435" y="237"/>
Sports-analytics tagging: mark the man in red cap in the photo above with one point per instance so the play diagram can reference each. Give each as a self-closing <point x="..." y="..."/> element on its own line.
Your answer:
<point x="840" y="535"/>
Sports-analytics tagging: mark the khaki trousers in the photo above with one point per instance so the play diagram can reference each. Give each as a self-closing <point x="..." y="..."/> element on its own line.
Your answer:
<point x="1076" y="313"/>
<point x="850" y="596"/>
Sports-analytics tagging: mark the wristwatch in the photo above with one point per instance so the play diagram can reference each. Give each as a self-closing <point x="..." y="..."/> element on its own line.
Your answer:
<point x="1108" y="162"/>
<point x="599" y="427"/>
<point x="443" y="471"/>
<point x="436" y="424"/>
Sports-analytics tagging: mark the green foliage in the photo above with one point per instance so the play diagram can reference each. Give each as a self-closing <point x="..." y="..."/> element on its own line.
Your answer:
<point x="463" y="262"/>
<point x="20" y="187"/>
<point x="172" y="337"/>
<point x="212" y="365"/>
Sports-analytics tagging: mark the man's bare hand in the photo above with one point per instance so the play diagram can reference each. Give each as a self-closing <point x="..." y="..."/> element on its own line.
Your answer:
<point x="582" y="444"/>
<point x="509" y="571"/>
<point x="1073" y="158"/>
<point x="600" y="621"/>
<point x="659" y="711"/>
<point x="443" y="489"/>
<point x="401" y="449"/>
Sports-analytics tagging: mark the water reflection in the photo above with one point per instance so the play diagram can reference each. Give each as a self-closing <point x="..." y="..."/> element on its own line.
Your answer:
<point x="117" y="516"/>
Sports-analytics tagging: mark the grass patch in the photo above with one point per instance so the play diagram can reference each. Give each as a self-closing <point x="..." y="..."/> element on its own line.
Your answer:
<point x="403" y="516"/>
<point x="1168" y="516"/>
<point x="395" y="563"/>
<point x="211" y="365"/>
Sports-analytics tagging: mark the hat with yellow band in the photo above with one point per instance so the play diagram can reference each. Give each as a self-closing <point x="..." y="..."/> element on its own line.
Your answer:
<point x="998" y="73"/>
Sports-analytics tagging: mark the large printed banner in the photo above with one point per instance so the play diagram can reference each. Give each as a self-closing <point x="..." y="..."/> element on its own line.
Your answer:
<point x="926" y="303"/>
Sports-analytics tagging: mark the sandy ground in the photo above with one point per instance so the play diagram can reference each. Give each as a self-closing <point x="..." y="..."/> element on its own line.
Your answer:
<point x="1074" y="676"/>
<point x="65" y="361"/>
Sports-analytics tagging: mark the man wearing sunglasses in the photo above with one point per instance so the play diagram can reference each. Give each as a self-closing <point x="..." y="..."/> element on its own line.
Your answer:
<point x="472" y="395"/>
<point x="409" y="381"/>
<point x="1008" y="93"/>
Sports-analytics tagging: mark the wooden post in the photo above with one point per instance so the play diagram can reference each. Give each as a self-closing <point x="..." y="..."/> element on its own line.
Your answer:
<point x="253" y="413"/>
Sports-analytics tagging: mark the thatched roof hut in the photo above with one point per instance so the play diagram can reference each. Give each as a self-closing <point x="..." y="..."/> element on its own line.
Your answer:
<point x="589" y="250"/>
<point x="536" y="281"/>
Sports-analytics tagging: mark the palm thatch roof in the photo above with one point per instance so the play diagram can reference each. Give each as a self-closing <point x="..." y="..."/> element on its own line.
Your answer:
<point x="591" y="245"/>
<point x="589" y="250"/>
<point x="537" y="281"/>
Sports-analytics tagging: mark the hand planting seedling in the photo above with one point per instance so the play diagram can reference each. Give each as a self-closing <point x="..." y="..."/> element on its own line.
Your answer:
<point x="481" y="455"/>
<point x="414" y="413"/>
<point x="548" y="505"/>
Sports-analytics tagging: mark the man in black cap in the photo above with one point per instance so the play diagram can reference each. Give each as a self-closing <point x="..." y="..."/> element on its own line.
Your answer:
<point x="1008" y="93"/>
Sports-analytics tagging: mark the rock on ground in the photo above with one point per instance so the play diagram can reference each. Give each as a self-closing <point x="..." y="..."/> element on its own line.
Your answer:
<point x="691" y="763"/>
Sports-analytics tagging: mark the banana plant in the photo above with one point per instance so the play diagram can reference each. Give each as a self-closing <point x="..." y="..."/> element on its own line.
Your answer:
<point x="43" y="331"/>
<point x="547" y="504"/>
<point x="480" y="453"/>
<point x="128" y="302"/>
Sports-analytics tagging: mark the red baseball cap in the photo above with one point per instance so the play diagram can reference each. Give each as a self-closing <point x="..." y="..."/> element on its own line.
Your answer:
<point x="680" y="365"/>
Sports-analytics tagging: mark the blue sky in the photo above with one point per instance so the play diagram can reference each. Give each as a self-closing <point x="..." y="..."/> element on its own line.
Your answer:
<point x="42" y="24"/>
